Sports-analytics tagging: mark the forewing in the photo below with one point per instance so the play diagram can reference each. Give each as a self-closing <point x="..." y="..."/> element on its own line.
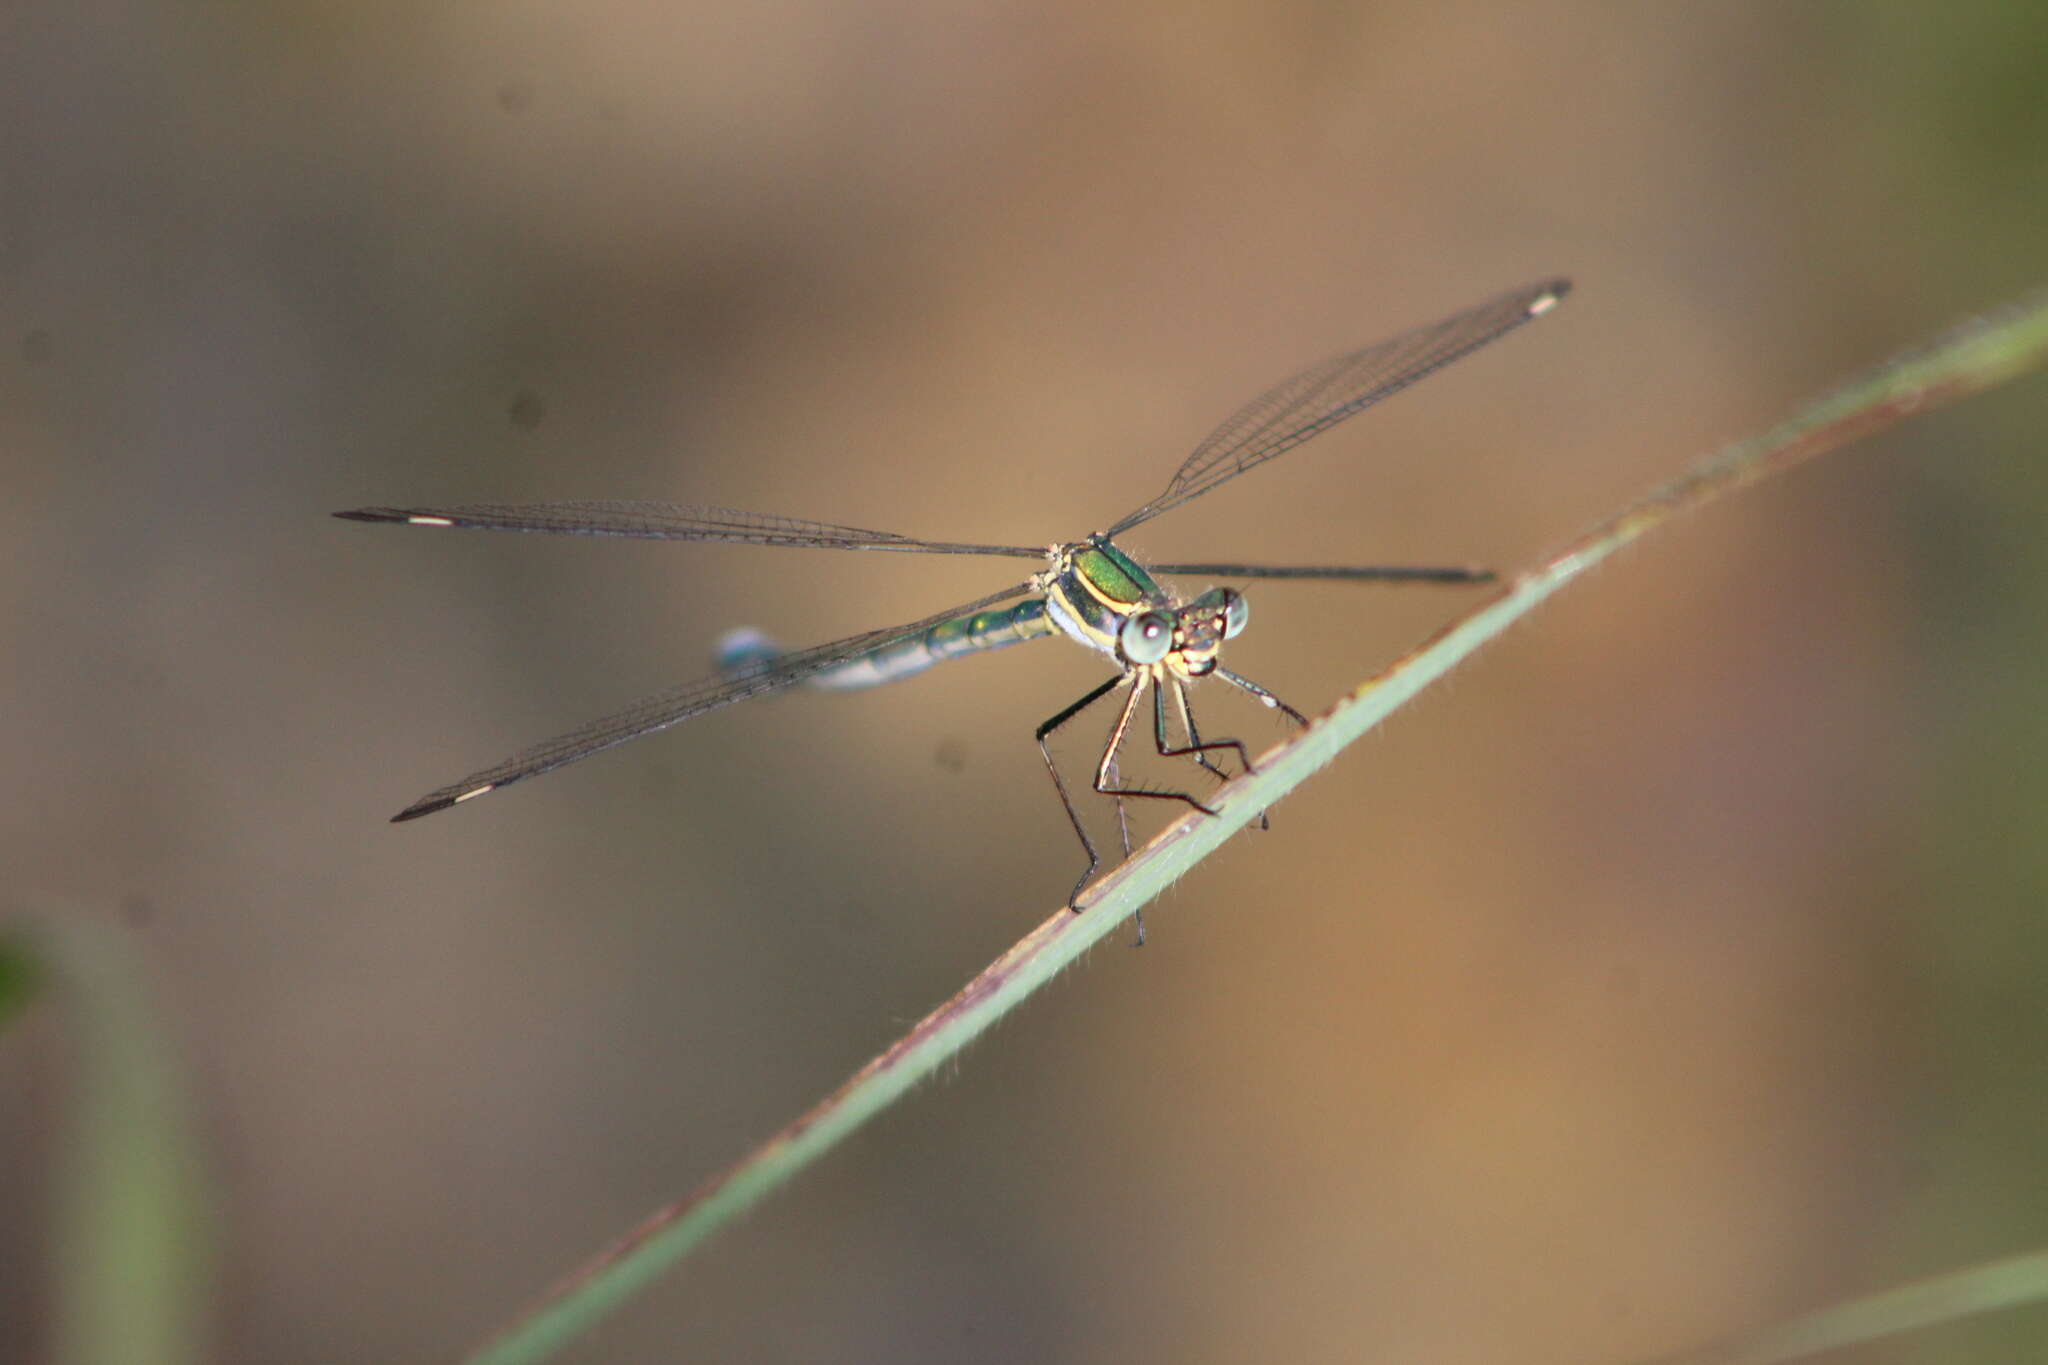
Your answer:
<point x="1320" y="397"/>
<point x="679" y="704"/>
<point x="669" y="521"/>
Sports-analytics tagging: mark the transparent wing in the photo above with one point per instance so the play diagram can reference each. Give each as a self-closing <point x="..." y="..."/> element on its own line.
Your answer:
<point x="667" y="521"/>
<point x="1365" y="573"/>
<point x="680" y="704"/>
<point x="1318" y="398"/>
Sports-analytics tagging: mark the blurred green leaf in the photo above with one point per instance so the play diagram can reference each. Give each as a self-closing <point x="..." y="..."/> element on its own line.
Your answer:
<point x="18" y="978"/>
<point x="131" y="1236"/>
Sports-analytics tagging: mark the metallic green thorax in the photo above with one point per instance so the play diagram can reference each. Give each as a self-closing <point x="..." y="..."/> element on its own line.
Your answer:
<point x="1092" y="587"/>
<point x="1112" y="574"/>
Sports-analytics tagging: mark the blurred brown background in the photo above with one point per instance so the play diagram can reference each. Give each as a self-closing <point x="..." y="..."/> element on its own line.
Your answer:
<point x="1675" y="969"/>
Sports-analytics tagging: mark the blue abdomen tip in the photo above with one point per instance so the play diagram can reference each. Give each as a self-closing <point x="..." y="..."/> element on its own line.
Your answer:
<point x="743" y="651"/>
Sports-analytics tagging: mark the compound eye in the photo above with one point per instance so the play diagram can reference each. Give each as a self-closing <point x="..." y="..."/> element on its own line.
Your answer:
<point x="1146" y="637"/>
<point x="1222" y="610"/>
<point x="1236" y="612"/>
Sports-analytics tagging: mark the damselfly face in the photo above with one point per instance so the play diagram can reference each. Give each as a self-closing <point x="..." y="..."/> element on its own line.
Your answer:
<point x="1201" y="627"/>
<point x="1184" y="640"/>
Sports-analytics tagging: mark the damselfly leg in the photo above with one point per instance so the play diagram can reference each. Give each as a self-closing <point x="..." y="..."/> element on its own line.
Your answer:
<point x="1197" y="747"/>
<point x="1044" y="733"/>
<point x="1263" y="695"/>
<point x="1107" y="781"/>
<point x="1105" y="771"/>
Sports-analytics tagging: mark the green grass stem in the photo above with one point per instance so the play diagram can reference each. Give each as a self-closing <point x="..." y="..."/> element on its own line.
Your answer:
<point x="1924" y="1303"/>
<point x="1963" y="362"/>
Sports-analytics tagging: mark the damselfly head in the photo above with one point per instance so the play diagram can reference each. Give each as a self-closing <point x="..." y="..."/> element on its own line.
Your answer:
<point x="1201" y="627"/>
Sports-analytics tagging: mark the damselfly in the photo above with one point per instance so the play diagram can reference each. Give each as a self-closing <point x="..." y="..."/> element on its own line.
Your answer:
<point x="1088" y="590"/>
